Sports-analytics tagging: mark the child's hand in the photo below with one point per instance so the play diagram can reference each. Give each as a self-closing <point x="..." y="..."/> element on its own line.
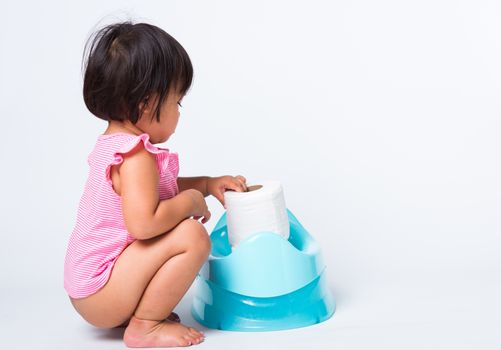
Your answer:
<point x="199" y="209"/>
<point x="216" y="186"/>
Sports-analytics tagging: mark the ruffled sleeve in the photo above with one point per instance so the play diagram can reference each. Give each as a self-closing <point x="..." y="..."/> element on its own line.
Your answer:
<point x="166" y="160"/>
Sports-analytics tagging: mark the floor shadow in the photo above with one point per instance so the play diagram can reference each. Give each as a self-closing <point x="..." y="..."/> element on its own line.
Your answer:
<point x="109" y="334"/>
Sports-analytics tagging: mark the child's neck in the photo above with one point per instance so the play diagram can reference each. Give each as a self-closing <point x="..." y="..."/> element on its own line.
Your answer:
<point x="125" y="127"/>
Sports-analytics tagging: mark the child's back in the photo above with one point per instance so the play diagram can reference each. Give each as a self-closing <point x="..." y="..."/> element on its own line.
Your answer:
<point x="100" y="234"/>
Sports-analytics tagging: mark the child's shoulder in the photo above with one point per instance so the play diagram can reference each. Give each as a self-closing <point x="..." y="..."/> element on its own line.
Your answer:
<point x="119" y="144"/>
<point x="122" y="142"/>
<point x="108" y="146"/>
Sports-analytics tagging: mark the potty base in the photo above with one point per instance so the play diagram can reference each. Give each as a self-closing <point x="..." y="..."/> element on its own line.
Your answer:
<point x="215" y="307"/>
<point x="266" y="283"/>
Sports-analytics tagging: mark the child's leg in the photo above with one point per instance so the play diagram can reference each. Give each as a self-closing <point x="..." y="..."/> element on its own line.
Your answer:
<point x="148" y="280"/>
<point x="174" y="317"/>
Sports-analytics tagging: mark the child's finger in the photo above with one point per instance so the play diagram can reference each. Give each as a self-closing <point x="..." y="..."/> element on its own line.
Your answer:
<point x="241" y="186"/>
<point x="241" y="180"/>
<point x="234" y="185"/>
<point x="240" y="177"/>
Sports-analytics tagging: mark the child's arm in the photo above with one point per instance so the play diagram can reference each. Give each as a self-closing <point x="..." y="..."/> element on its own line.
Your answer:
<point x="198" y="183"/>
<point x="215" y="186"/>
<point x="145" y="215"/>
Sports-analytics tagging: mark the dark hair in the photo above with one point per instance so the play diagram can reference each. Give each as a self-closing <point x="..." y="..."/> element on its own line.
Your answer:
<point x="127" y="63"/>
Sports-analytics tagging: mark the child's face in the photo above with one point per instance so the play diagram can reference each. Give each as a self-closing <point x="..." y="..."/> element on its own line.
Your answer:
<point x="160" y="131"/>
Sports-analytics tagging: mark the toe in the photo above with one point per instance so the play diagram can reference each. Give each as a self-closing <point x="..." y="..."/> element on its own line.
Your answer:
<point x="190" y="340"/>
<point x="194" y="339"/>
<point x="195" y="332"/>
<point x="185" y="342"/>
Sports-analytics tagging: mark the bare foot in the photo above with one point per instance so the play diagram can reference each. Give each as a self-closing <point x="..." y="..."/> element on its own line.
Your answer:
<point x="149" y="334"/>
<point x="172" y="317"/>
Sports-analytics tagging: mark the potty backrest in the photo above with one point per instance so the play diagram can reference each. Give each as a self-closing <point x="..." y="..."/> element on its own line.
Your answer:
<point x="265" y="264"/>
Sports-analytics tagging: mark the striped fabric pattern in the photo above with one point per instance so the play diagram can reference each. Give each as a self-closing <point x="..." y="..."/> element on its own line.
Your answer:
<point x="100" y="235"/>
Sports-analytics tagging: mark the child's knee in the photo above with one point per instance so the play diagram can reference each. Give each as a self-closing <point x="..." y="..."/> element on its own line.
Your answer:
<point x="196" y="236"/>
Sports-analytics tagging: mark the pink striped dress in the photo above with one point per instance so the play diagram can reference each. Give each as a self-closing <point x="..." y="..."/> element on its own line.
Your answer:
<point x="100" y="234"/>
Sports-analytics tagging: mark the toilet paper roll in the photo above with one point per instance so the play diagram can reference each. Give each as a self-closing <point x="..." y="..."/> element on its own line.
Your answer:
<point x="261" y="208"/>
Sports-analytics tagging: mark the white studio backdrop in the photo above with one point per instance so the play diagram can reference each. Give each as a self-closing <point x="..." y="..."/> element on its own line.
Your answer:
<point x="380" y="118"/>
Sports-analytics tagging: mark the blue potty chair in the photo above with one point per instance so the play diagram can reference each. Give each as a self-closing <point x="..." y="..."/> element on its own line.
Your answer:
<point x="266" y="283"/>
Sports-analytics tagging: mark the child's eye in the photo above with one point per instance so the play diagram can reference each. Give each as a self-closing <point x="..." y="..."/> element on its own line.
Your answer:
<point x="179" y="104"/>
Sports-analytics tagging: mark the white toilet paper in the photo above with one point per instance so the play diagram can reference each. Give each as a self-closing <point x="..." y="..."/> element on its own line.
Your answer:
<point x="260" y="209"/>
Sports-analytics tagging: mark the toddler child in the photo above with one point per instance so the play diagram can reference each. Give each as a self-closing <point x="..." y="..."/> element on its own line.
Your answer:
<point x="137" y="244"/>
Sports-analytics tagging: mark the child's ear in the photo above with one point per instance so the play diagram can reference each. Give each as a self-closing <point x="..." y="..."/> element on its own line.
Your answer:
<point x="144" y="104"/>
<point x="146" y="107"/>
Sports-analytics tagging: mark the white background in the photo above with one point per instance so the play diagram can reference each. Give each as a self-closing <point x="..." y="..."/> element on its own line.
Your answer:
<point x="380" y="118"/>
